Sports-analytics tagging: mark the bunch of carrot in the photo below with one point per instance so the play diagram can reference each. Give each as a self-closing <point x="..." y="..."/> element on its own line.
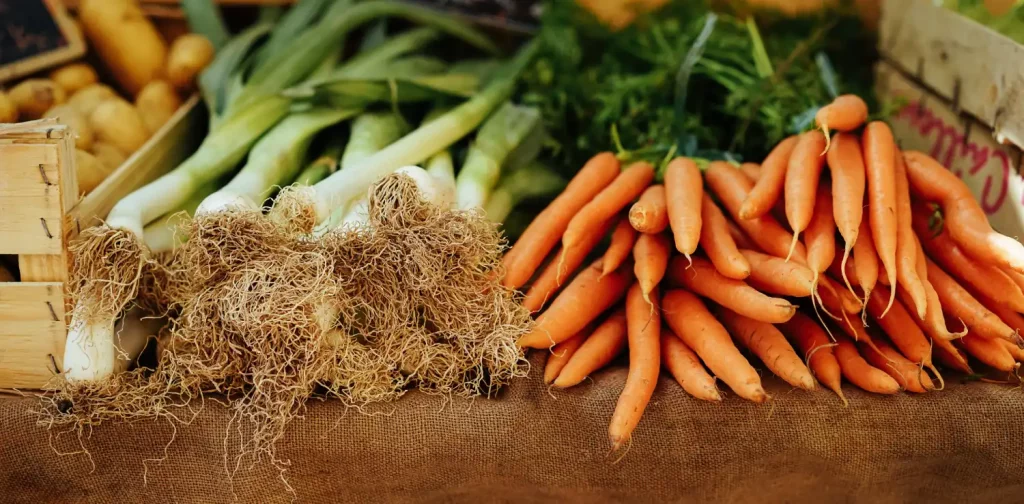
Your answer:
<point x="718" y="259"/>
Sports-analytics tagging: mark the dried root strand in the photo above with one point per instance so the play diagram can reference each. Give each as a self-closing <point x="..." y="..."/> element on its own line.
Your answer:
<point x="106" y="270"/>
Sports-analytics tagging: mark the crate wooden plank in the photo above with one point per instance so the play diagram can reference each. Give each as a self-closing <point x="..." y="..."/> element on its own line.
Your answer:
<point x="32" y="333"/>
<point x="54" y="267"/>
<point x="929" y="124"/>
<point x="30" y="200"/>
<point x="977" y="69"/>
<point x="164" y="151"/>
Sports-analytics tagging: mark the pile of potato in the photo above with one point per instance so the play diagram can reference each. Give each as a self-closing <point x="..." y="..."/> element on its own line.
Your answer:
<point x="109" y="128"/>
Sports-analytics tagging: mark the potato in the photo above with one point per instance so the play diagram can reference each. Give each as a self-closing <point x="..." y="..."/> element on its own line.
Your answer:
<point x="125" y="39"/>
<point x="70" y="116"/>
<point x="90" y="171"/>
<point x="90" y="97"/>
<point x="157" y="102"/>
<point x="8" y="109"/>
<point x="189" y="55"/>
<point x="110" y="156"/>
<point x="35" y="96"/>
<point x="74" y="77"/>
<point x="116" y="122"/>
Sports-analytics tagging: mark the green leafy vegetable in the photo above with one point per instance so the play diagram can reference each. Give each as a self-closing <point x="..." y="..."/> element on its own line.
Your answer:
<point x="684" y="80"/>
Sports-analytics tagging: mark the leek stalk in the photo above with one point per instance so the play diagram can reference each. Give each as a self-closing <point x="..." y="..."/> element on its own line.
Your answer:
<point x="532" y="181"/>
<point x="275" y="160"/>
<point x="424" y="142"/>
<point x="502" y="133"/>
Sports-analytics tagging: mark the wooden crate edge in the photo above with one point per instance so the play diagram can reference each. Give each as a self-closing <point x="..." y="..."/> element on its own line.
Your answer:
<point x="974" y="67"/>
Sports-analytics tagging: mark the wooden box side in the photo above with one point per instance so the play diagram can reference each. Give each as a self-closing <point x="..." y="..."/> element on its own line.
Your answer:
<point x="930" y="124"/>
<point x="974" y="67"/>
<point x="32" y="333"/>
<point x="37" y="187"/>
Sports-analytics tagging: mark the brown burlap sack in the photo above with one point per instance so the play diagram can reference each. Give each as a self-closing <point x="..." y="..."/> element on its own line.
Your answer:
<point x="960" y="445"/>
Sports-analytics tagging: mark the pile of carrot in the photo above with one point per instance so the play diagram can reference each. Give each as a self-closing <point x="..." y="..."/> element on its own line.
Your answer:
<point x="839" y="257"/>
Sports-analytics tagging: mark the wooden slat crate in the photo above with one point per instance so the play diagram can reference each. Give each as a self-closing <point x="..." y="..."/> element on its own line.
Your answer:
<point x="40" y="212"/>
<point x="961" y="83"/>
<point x="973" y="67"/>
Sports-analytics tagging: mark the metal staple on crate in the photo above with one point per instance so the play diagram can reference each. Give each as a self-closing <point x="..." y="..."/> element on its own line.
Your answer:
<point x="46" y="229"/>
<point x="53" y="313"/>
<point x="42" y="173"/>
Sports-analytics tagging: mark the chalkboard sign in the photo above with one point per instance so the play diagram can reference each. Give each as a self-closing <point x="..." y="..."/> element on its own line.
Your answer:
<point x="513" y="15"/>
<point x="35" y="34"/>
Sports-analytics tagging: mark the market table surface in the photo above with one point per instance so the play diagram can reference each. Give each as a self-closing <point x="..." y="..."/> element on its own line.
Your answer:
<point x="959" y="445"/>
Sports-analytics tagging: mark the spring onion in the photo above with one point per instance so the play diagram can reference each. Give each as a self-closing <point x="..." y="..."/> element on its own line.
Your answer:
<point x="168" y="232"/>
<point x="325" y="164"/>
<point x="296" y="60"/>
<point x="532" y="181"/>
<point x="425" y="141"/>
<point x="502" y="133"/>
<point x="275" y="159"/>
<point x="371" y="132"/>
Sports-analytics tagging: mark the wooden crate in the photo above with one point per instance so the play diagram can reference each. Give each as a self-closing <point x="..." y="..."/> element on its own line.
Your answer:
<point x="40" y="212"/>
<point x="961" y="83"/>
<point x="974" y="68"/>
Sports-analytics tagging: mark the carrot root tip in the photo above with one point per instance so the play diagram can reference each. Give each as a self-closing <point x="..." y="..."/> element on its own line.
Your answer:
<point x="792" y="245"/>
<point x="828" y="137"/>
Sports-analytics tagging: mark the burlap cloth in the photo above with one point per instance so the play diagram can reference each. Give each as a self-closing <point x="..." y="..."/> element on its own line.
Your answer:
<point x="961" y="445"/>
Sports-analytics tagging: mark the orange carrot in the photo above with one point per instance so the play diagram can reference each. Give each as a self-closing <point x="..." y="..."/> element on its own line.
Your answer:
<point x="685" y="367"/>
<point x="908" y="375"/>
<point x="802" y="177"/>
<point x="846" y="113"/>
<point x="865" y="259"/>
<point x="731" y="187"/>
<point x="859" y="372"/>
<point x="738" y="236"/>
<point x="718" y="243"/>
<point x="933" y="324"/>
<point x="559" y="270"/>
<point x="984" y="278"/>
<point x="990" y="352"/>
<point x="902" y="329"/>
<point x="841" y="268"/>
<point x="834" y="297"/>
<point x="961" y="304"/>
<point x="582" y="301"/>
<point x="621" y="192"/>
<point x="776" y="276"/>
<point x="691" y="321"/>
<point x="880" y="157"/>
<point x="650" y="213"/>
<point x="546" y="230"/>
<point x="767" y="343"/>
<point x="820" y="236"/>
<point x="562" y="352"/>
<point x="906" y="254"/>
<point x="751" y="170"/>
<point x="620" y="247"/>
<point x="606" y="342"/>
<point x="1015" y="351"/>
<point x="951" y="356"/>
<point x="963" y="216"/>
<point x="644" y="365"/>
<point x="1009" y="316"/>
<point x="650" y="259"/>
<point x="846" y="164"/>
<point x="763" y="195"/>
<point x="816" y="347"/>
<point x="1016" y="277"/>
<point x="684" y="190"/>
<point x="702" y="278"/>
